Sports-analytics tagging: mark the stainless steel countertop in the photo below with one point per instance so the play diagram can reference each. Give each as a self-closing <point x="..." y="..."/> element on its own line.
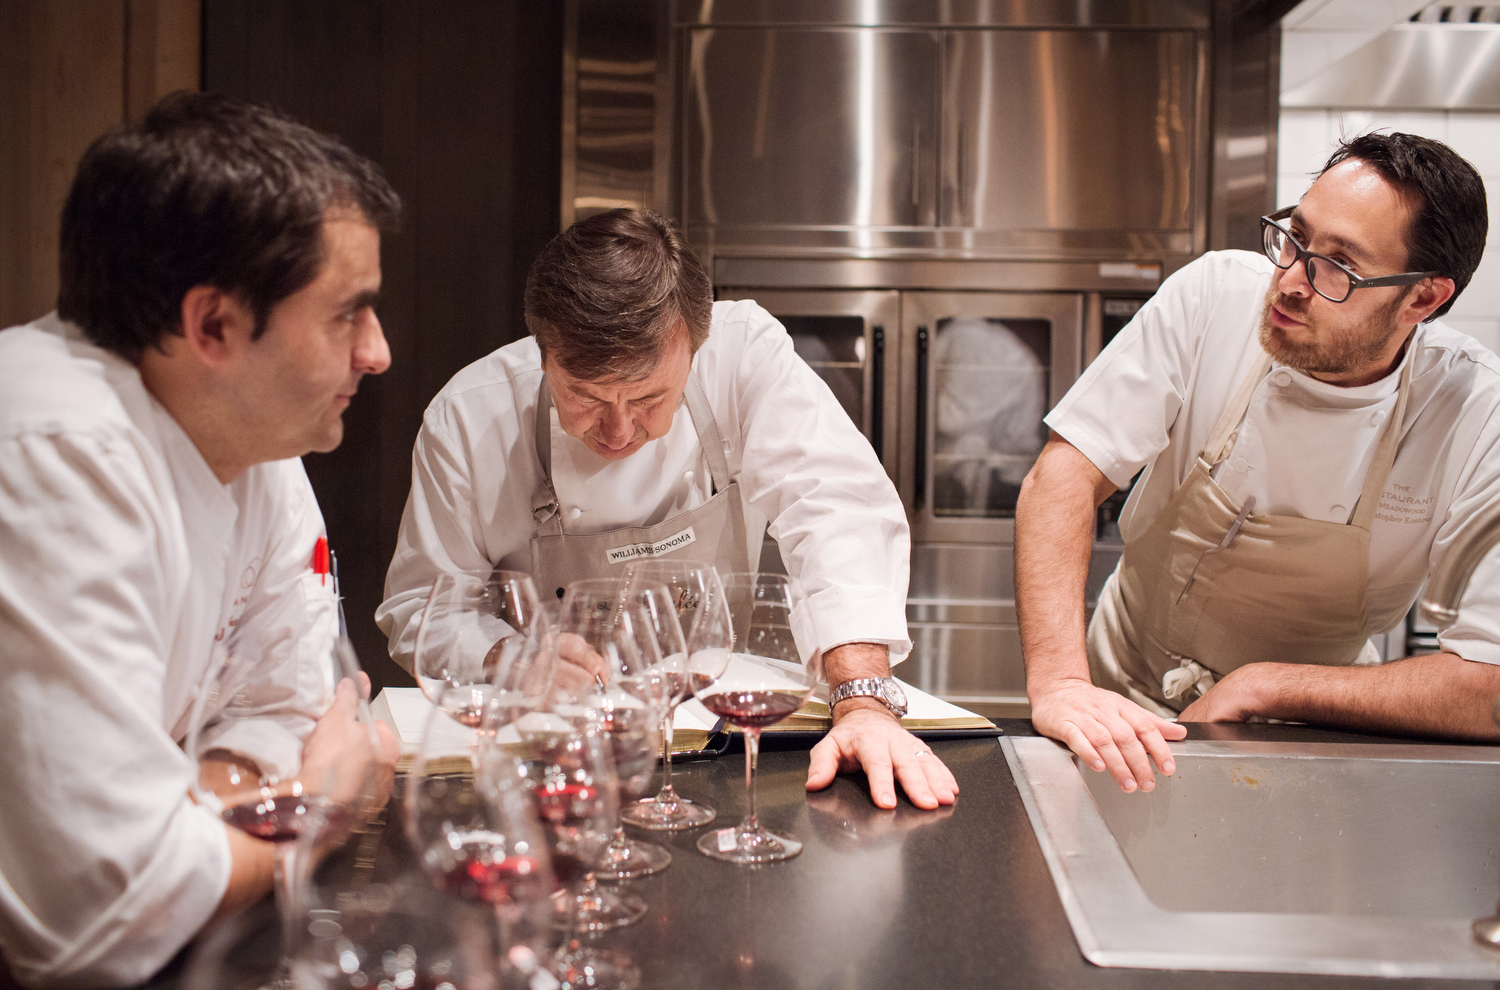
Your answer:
<point x="956" y="898"/>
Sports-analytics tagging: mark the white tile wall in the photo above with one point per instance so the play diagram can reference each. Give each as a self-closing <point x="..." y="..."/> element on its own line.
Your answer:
<point x="1307" y="137"/>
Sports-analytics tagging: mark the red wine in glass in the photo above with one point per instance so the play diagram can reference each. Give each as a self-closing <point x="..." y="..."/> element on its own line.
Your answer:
<point x="275" y="819"/>
<point x="482" y="871"/>
<point x="753" y="709"/>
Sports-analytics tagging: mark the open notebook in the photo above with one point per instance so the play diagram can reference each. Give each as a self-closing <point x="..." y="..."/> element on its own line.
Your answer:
<point x="406" y="711"/>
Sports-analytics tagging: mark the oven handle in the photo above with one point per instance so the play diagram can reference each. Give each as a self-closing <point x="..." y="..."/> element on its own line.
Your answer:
<point x="919" y="481"/>
<point x="877" y="391"/>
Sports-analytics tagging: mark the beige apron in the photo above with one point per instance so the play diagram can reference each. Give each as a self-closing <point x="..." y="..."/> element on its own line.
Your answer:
<point x="1210" y="587"/>
<point x="713" y="533"/>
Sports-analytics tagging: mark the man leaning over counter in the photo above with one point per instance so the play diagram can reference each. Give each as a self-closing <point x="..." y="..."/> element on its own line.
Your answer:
<point x="639" y="411"/>
<point x="219" y="265"/>
<point x="1310" y="442"/>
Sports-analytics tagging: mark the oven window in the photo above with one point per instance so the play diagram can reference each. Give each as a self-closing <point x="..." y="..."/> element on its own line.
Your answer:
<point x="990" y="391"/>
<point x="835" y="348"/>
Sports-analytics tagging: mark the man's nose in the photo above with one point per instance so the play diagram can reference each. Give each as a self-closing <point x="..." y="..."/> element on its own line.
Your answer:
<point x="1293" y="281"/>
<point x="617" y="425"/>
<point x="372" y="354"/>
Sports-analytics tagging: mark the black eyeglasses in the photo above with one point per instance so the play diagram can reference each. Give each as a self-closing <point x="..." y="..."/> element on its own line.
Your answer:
<point x="1328" y="278"/>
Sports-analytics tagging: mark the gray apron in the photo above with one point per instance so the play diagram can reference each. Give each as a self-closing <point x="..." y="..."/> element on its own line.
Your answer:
<point x="713" y="533"/>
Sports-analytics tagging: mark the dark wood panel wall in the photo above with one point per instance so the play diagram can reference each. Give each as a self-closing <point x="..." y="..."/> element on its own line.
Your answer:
<point x="460" y="103"/>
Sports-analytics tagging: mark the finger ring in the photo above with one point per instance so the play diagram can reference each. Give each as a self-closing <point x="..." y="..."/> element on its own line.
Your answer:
<point x="922" y="752"/>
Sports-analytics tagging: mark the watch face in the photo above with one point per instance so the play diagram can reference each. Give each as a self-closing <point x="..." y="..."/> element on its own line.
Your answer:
<point x="893" y="694"/>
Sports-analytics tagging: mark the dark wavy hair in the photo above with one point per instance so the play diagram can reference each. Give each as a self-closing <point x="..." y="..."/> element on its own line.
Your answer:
<point x="1450" y="218"/>
<point x="605" y="296"/>
<point x="204" y="190"/>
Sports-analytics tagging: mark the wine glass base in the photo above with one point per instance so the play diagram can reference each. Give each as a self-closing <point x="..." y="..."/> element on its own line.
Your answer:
<point x="579" y="968"/>
<point x="634" y="859"/>
<point x="667" y="816"/>
<point x="742" y="845"/>
<point x="598" y="909"/>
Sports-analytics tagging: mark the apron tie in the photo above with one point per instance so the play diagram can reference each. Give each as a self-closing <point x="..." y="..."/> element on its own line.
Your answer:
<point x="1189" y="676"/>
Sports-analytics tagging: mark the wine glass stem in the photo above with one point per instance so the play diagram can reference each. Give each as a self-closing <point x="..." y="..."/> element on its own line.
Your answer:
<point x="666" y="795"/>
<point x="288" y="863"/>
<point x="752" y="753"/>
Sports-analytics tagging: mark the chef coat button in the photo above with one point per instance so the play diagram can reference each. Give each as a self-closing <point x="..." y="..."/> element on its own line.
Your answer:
<point x="1338" y="513"/>
<point x="1377" y="417"/>
<point x="1240" y="464"/>
<point x="575" y="512"/>
<point x="687" y="476"/>
<point x="1282" y="378"/>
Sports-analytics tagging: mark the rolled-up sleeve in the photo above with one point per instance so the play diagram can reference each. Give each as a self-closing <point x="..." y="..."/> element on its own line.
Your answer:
<point x="833" y="511"/>
<point x="107" y="868"/>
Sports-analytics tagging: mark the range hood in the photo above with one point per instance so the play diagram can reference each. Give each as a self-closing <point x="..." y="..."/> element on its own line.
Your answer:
<point x="1411" y="66"/>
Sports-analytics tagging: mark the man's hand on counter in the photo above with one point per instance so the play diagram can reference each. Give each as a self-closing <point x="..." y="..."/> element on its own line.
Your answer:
<point x="1107" y="731"/>
<point x="866" y="735"/>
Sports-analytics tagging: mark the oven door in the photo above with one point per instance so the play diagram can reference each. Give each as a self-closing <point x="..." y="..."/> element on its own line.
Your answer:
<point x="980" y="370"/>
<point x="849" y="340"/>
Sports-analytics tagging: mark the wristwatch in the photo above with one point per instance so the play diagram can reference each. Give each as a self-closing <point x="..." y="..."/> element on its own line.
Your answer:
<point x="883" y="689"/>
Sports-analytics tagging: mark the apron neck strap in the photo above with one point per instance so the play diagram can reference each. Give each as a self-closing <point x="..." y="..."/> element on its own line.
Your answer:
<point x="1226" y="430"/>
<point x="1385" y="450"/>
<point x="702" y="416"/>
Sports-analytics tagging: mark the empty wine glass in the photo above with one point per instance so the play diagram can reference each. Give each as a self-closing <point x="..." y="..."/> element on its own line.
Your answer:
<point x="702" y="623"/>
<point x="469" y="627"/>
<point x="476" y="833"/>
<point x="764" y="681"/>
<point x="290" y="811"/>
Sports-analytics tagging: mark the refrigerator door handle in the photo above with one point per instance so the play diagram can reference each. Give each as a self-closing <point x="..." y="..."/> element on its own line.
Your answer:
<point x="919" y="477"/>
<point x="877" y="391"/>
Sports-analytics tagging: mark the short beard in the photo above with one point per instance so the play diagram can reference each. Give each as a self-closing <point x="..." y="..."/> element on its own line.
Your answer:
<point x="1333" y="355"/>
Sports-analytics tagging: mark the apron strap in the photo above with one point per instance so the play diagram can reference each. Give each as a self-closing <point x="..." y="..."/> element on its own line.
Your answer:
<point x="1226" y="430"/>
<point x="545" y="507"/>
<point x="1385" y="450"/>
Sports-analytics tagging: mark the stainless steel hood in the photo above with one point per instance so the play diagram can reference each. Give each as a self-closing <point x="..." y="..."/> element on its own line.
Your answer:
<point x="1412" y="66"/>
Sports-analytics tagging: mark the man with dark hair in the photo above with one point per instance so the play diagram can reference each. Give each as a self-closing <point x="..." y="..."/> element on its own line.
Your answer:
<point x="682" y="427"/>
<point x="220" y="264"/>
<point x="1309" y="443"/>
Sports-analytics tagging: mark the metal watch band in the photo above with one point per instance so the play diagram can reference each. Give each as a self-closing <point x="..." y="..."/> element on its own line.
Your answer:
<point x="864" y="687"/>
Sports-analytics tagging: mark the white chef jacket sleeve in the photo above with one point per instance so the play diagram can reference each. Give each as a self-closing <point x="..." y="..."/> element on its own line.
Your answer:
<point x="1475" y="634"/>
<point x="1120" y="411"/>
<point x="833" y="511"/>
<point x="107" y="868"/>
<point x="287" y="632"/>
<point x="442" y="528"/>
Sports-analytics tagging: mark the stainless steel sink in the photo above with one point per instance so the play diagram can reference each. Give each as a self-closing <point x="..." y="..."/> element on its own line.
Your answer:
<point x="1276" y="857"/>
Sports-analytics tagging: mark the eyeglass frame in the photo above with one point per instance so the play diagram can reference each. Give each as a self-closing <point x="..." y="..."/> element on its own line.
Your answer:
<point x="1306" y="257"/>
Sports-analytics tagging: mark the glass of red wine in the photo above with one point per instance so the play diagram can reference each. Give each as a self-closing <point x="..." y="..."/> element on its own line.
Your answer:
<point x="695" y="620"/>
<point x="621" y="625"/>
<point x="764" y="681"/>
<point x="562" y="757"/>
<point x="470" y="628"/>
<point x="475" y="831"/>
<point x="300" y="810"/>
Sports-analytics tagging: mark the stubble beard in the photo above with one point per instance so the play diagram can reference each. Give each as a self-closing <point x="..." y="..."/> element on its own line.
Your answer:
<point x="1331" y="352"/>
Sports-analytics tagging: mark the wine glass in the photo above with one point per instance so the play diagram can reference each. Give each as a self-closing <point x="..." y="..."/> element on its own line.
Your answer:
<point x="697" y="599"/>
<point x="564" y="761"/>
<point x="316" y="805"/>
<point x="476" y="834"/>
<point x="764" y="681"/>
<point x="604" y="629"/>
<point x="469" y="627"/>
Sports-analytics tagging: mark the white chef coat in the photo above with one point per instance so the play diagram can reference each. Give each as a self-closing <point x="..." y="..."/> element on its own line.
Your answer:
<point x="126" y="569"/>
<point x="1153" y="395"/>
<point x="800" y="462"/>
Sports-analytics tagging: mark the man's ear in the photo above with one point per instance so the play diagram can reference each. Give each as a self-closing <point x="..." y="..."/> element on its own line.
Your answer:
<point x="216" y="326"/>
<point x="1427" y="297"/>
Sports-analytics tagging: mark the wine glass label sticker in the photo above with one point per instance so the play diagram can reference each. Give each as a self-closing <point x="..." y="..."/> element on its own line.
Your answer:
<point x="726" y="839"/>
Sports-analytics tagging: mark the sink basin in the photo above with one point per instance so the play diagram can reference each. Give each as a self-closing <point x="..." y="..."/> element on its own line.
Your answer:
<point x="1365" y="860"/>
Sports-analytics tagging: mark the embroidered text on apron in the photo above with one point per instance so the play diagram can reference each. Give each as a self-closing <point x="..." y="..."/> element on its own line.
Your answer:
<point x="1210" y="586"/>
<point x="713" y="533"/>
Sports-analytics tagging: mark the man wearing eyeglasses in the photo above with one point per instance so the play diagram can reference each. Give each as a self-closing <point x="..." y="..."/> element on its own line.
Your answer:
<point x="1309" y="441"/>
